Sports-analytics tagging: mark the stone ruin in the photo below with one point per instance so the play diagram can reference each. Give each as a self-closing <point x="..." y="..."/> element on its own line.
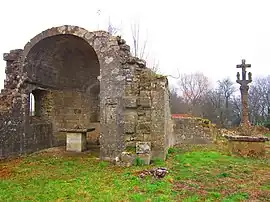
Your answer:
<point x="192" y="130"/>
<point x="80" y="78"/>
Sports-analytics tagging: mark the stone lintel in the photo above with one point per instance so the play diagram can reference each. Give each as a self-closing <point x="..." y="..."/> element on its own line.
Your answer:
<point x="241" y="138"/>
<point x="75" y="130"/>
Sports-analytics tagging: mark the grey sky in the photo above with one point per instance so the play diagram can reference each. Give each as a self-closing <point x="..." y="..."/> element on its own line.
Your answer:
<point x="210" y="36"/>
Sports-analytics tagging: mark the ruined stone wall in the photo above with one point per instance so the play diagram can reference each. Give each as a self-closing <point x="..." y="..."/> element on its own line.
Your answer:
<point x="189" y="130"/>
<point x="147" y="111"/>
<point x="56" y="62"/>
<point x="12" y="107"/>
<point x="160" y="118"/>
<point x="66" y="109"/>
<point x="39" y="136"/>
<point x="11" y="129"/>
<point x="81" y="78"/>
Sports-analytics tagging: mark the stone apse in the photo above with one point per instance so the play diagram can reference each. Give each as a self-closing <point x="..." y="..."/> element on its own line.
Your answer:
<point x="78" y="78"/>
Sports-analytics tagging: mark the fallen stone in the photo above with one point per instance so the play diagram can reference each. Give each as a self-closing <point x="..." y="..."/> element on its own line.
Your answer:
<point x="157" y="173"/>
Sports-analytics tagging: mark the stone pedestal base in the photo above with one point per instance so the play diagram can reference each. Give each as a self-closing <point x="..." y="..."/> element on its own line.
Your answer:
<point x="76" y="142"/>
<point x="143" y="150"/>
<point x="247" y="146"/>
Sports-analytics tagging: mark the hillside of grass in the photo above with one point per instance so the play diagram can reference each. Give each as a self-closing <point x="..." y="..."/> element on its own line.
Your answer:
<point x="195" y="174"/>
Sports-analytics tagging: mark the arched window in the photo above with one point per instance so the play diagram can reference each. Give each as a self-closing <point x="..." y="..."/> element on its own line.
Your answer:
<point x="32" y="105"/>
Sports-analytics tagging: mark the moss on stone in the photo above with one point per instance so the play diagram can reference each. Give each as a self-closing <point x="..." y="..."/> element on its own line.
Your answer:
<point x="131" y="149"/>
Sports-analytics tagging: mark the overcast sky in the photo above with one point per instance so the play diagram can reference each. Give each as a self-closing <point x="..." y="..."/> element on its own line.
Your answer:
<point x="211" y="36"/>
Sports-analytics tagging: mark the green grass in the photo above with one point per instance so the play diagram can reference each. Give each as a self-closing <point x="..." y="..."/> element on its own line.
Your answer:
<point x="195" y="174"/>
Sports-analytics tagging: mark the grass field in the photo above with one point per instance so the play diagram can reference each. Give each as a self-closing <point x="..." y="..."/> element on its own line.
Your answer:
<point x="195" y="174"/>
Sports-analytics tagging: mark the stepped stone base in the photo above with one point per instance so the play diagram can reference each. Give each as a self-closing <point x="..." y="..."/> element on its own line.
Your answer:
<point x="247" y="146"/>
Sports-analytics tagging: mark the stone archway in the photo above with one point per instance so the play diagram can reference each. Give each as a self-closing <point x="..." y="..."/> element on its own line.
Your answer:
<point x="79" y="80"/>
<point x="65" y="70"/>
<point x="61" y="67"/>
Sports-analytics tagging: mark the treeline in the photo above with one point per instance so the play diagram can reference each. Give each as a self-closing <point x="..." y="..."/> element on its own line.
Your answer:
<point x="194" y="94"/>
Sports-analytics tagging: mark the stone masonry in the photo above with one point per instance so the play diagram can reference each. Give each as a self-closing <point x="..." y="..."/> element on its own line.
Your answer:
<point x="191" y="130"/>
<point x="80" y="78"/>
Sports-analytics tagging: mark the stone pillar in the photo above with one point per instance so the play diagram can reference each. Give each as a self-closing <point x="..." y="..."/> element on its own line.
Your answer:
<point x="244" y="99"/>
<point x="244" y="91"/>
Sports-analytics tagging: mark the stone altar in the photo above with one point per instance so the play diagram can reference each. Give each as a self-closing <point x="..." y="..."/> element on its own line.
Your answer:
<point x="76" y="139"/>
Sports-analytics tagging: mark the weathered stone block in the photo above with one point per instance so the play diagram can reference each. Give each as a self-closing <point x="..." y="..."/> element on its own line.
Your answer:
<point x="130" y="102"/>
<point x="130" y="143"/>
<point x="247" y="146"/>
<point x="128" y="158"/>
<point x="138" y="137"/>
<point x="144" y="115"/>
<point x="129" y="127"/>
<point x="145" y="102"/>
<point x="131" y="116"/>
<point x="128" y="137"/>
<point x="143" y="147"/>
<point x="130" y="119"/>
<point x="134" y="137"/>
<point x="76" y="142"/>
<point x="147" y="137"/>
<point x="247" y="149"/>
<point x="144" y="127"/>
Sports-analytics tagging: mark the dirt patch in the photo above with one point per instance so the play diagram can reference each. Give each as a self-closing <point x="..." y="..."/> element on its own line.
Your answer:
<point x="7" y="167"/>
<point x="191" y="186"/>
<point x="92" y="150"/>
<point x="5" y="172"/>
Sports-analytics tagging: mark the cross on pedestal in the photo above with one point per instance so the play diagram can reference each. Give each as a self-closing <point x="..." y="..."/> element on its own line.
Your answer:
<point x="244" y="90"/>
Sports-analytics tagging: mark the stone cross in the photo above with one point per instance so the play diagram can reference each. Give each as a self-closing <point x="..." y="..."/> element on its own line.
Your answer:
<point x="244" y="90"/>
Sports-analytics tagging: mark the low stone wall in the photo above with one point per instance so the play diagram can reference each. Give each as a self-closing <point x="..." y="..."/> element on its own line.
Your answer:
<point x="189" y="130"/>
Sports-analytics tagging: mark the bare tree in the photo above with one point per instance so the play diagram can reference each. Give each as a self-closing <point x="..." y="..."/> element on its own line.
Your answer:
<point x="259" y="100"/>
<point x="213" y="106"/>
<point x="193" y="88"/>
<point x="178" y="106"/>
<point x="112" y="29"/>
<point x="139" y="48"/>
<point x="236" y="106"/>
<point x="138" y="45"/>
<point x="226" y="88"/>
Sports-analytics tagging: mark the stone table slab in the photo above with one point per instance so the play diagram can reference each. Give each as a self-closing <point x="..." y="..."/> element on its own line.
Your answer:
<point x="76" y="138"/>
